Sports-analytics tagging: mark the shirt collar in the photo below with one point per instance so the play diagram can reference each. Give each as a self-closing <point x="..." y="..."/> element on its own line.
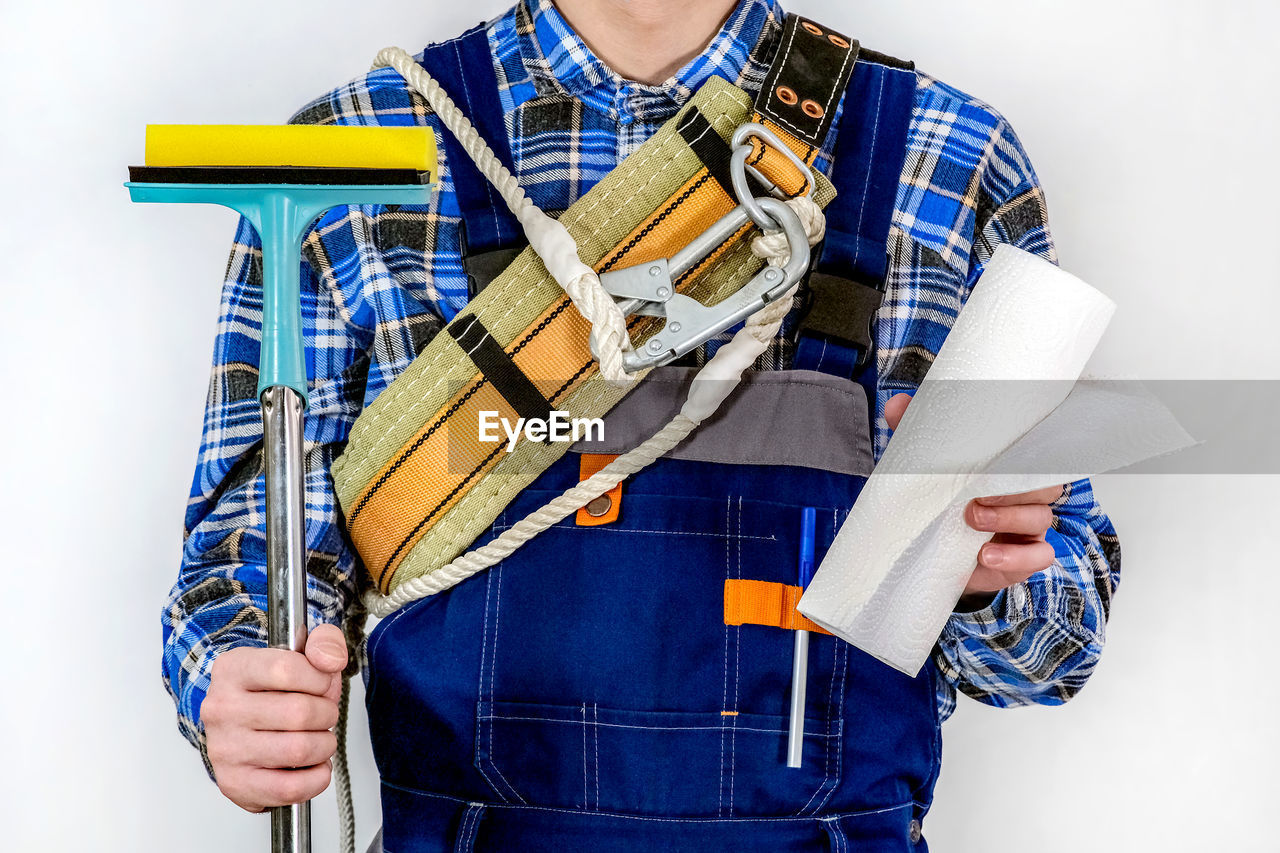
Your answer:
<point x="559" y="61"/>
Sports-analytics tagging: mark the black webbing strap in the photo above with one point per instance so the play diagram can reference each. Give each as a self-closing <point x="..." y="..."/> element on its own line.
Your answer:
<point x="710" y="147"/>
<point x="810" y="69"/>
<point x="498" y="368"/>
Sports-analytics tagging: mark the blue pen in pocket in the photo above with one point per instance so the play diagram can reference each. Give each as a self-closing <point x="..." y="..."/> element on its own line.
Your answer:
<point x="800" y="658"/>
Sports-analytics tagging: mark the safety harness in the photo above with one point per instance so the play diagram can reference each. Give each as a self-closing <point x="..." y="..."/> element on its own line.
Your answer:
<point x="673" y="232"/>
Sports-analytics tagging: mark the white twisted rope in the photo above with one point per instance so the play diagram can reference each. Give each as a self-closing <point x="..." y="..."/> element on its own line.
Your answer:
<point x="548" y="237"/>
<point x="772" y="245"/>
<point x="353" y="631"/>
<point x="342" y="774"/>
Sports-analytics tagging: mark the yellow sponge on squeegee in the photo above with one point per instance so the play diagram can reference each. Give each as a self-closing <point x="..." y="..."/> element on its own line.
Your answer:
<point x="332" y="155"/>
<point x="290" y="145"/>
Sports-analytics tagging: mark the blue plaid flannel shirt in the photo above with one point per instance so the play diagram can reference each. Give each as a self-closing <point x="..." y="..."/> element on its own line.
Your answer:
<point x="379" y="283"/>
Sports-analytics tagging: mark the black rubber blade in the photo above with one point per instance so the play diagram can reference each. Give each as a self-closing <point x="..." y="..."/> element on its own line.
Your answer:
<point x="324" y="175"/>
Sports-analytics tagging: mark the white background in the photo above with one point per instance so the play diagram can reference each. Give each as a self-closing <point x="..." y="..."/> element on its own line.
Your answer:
<point x="1154" y="128"/>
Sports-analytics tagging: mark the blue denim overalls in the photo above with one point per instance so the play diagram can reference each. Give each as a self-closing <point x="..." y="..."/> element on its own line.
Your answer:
<point x="587" y="693"/>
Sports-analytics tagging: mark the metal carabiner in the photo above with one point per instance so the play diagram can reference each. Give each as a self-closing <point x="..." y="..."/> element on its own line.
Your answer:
<point x="649" y="289"/>
<point x="739" y="169"/>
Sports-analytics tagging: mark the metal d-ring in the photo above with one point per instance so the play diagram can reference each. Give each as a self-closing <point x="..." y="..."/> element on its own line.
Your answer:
<point x="738" y="170"/>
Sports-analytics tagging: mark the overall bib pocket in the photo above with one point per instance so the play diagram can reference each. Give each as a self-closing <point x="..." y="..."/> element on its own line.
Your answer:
<point x="683" y="764"/>
<point x="610" y="682"/>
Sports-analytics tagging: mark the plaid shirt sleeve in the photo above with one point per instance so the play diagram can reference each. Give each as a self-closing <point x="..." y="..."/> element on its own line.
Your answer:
<point x="1038" y="641"/>
<point x="219" y="600"/>
<point x="372" y="296"/>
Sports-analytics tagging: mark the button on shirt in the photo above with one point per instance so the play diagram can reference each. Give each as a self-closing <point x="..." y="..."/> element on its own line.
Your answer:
<point x="378" y="283"/>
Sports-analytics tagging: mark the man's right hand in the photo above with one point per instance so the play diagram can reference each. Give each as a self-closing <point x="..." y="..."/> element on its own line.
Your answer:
<point x="267" y="720"/>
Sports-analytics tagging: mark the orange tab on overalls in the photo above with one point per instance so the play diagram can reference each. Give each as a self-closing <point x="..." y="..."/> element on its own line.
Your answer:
<point x="748" y="602"/>
<point x="606" y="508"/>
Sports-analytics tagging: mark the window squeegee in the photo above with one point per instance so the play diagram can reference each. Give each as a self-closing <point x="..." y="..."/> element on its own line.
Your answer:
<point x="281" y="178"/>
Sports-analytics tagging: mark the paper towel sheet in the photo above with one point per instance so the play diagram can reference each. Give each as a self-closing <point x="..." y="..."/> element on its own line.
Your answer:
<point x="999" y="412"/>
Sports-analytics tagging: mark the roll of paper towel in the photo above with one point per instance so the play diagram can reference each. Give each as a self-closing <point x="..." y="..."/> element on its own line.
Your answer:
<point x="996" y="414"/>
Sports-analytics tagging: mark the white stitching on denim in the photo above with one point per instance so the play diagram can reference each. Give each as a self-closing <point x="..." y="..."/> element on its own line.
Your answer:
<point x="737" y="673"/>
<point x="459" y="841"/>
<point x="866" y="188"/>
<point x="493" y="669"/>
<point x="833" y="829"/>
<point x="480" y="694"/>
<point x="724" y="698"/>
<point x="838" y="735"/>
<point x="575" y="722"/>
<point x="475" y="826"/>
<point x="826" y="761"/>
<point x="496" y="769"/>
<point x="461" y="834"/>
<point x="831" y="697"/>
<point x="464" y="832"/>
<point x="585" y="802"/>
<point x="595" y="713"/>
<point x="470" y="823"/>
<point x="843" y="666"/>
<point x="616" y="816"/>
<point x="488" y="185"/>
<point x="607" y="529"/>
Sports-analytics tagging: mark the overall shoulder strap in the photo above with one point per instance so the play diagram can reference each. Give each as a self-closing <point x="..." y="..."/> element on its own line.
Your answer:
<point x="847" y="283"/>
<point x="871" y="145"/>
<point x="491" y="234"/>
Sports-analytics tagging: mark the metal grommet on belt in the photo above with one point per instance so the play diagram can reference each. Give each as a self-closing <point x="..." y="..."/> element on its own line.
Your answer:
<point x="812" y="108"/>
<point x="787" y="95"/>
<point x="915" y="832"/>
<point x="599" y="506"/>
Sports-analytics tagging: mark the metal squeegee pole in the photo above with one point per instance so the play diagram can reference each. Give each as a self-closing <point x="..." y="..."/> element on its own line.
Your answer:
<point x="281" y="389"/>
<point x="286" y="569"/>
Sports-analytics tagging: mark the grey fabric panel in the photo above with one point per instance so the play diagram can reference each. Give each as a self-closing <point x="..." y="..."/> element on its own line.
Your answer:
<point x="375" y="846"/>
<point x="775" y="417"/>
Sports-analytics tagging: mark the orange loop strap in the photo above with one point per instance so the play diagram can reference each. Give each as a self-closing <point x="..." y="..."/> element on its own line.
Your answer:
<point x="751" y="602"/>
